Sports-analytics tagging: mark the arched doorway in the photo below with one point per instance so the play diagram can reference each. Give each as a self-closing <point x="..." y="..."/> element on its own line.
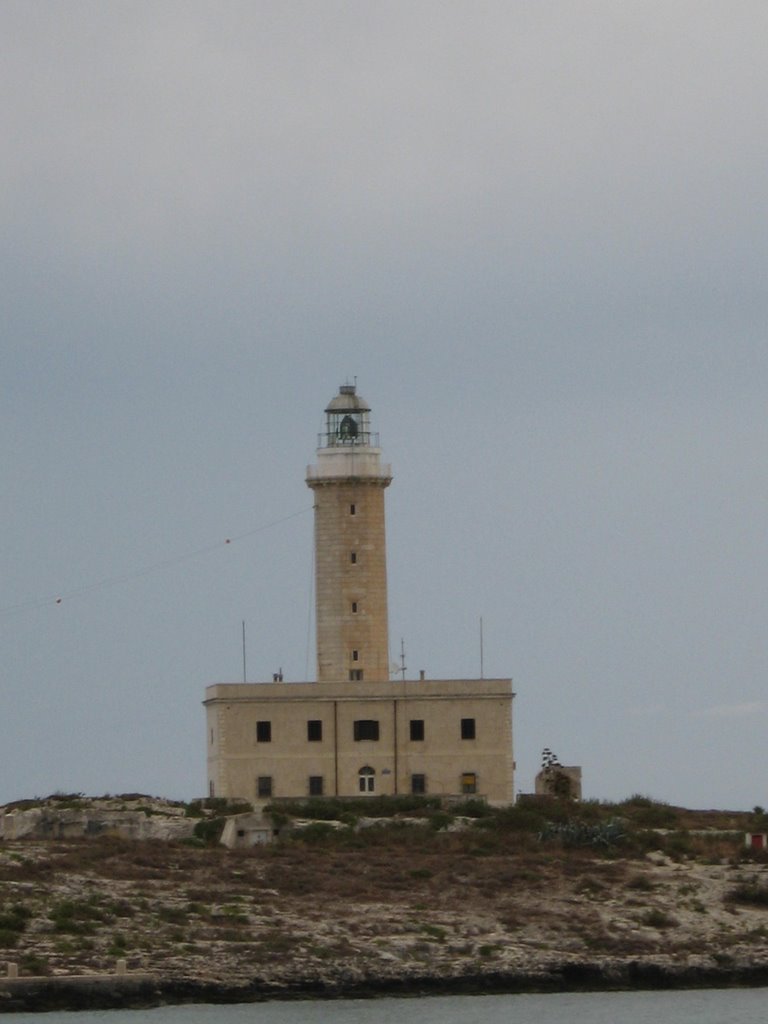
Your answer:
<point x="366" y="780"/>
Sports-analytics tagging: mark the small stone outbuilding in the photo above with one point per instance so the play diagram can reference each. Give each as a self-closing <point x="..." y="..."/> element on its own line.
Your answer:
<point x="243" y="831"/>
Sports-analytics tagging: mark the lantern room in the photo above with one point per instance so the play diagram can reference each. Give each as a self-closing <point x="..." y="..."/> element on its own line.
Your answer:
<point x="348" y="421"/>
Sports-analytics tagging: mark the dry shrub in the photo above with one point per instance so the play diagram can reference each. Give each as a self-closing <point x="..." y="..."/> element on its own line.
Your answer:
<point x="641" y="883"/>
<point x="750" y="893"/>
<point x="657" y="918"/>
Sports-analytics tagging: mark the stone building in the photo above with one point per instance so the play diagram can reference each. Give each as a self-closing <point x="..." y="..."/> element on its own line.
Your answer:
<point x="560" y="780"/>
<point x="356" y="731"/>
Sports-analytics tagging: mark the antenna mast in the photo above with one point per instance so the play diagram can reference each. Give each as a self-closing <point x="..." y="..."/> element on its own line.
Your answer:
<point x="245" y="678"/>
<point x="481" y="648"/>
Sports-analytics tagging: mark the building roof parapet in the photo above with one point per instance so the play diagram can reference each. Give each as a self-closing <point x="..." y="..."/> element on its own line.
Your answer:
<point x="356" y="691"/>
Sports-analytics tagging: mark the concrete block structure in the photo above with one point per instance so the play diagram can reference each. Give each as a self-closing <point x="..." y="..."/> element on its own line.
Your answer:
<point x="356" y="731"/>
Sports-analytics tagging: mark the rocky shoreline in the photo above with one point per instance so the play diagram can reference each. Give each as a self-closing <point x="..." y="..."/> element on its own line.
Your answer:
<point x="404" y="909"/>
<point x="144" y="991"/>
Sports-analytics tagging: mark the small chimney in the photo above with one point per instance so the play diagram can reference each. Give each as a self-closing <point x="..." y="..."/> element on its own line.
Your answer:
<point x="421" y="675"/>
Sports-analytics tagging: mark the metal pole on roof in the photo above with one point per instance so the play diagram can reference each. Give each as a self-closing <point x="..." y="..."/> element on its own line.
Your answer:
<point x="481" y="648"/>
<point x="245" y="678"/>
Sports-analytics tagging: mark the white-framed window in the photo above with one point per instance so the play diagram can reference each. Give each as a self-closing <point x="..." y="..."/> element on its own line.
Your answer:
<point x="366" y="780"/>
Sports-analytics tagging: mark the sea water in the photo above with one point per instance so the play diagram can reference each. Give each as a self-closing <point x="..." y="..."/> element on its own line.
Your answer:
<point x="702" y="1006"/>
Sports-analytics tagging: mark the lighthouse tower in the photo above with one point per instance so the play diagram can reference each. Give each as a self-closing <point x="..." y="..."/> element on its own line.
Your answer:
<point x="348" y="483"/>
<point x="354" y="732"/>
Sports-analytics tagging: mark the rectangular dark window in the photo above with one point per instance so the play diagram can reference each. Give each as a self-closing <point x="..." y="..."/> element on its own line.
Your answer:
<point x="419" y="784"/>
<point x="263" y="732"/>
<point x="353" y="557"/>
<point x="355" y="675"/>
<point x="314" y="731"/>
<point x="315" y="785"/>
<point x="352" y="510"/>
<point x="264" y="786"/>
<point x="354" y="607"/>
<point x="417" y="728"/>
<point x="469" y="782"/>
<point x="355" y="655"/>
<point x="467" y="728"/>
<point x="366" y="729"/>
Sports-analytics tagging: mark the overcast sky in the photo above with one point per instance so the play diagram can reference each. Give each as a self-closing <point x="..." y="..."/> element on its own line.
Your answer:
<point x="534" y="230"/>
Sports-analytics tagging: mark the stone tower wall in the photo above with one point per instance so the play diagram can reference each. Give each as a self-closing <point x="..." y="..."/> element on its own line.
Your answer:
<point x="351" y="578"/>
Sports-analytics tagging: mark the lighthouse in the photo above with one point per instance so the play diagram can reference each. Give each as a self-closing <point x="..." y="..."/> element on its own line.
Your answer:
<point x="353" y="731"/>
<point x="348" y="482"/>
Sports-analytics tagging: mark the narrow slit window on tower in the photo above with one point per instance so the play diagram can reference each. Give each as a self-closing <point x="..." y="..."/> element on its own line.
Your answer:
<point x="353" y="510"/>
<point x="355" y="655"/>
<point x="354" y="607"/>
<point x="353" y="557"/>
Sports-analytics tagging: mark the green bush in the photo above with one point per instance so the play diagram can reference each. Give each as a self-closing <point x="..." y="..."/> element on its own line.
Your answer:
<point x="751" y="893"/>
<point x="35" y="965"/>
<point x="315" y="832"/>
<point x="174" y="915"/>
<point x="69" y="801"/>
<point x="14" y="919"/>
<point x="519" y="818"/>
<point x="209" y="830"/>
<point x="334" y="809"/>
<point x="219" y="805"/>
<point x="472" y="809"/>
<point x="656" y="918"/>
<point x="440" y="820"/>
<point x="677" y="845"/>
<point x="119" y="945"/>
<point x="641" y="883"/>
<point x="76" y="917"/>
<point x="648" y="813"/>
<point x="320" y="809"/>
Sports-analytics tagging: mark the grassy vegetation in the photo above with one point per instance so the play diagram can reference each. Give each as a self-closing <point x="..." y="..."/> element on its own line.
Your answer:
<point x="631" y="828"/>
<point x="13" y="921"/>
<point x="751" y="894"/>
